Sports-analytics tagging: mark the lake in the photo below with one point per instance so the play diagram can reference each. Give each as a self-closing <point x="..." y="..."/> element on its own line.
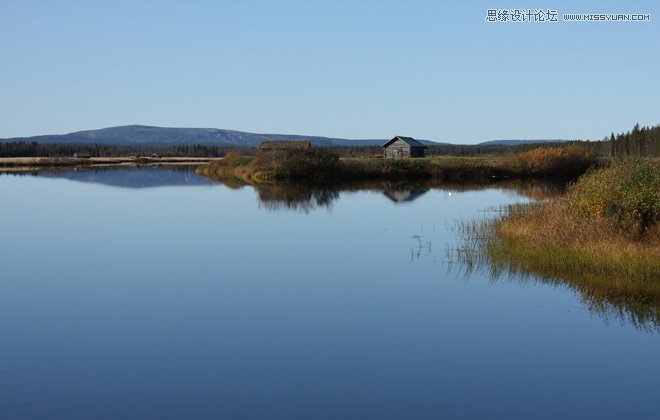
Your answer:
<point x="155" y="293"/>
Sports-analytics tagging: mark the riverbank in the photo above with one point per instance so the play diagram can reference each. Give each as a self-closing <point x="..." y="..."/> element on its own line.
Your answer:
<point x="324" y="166"/>
<point x="601" y="238"/>
<point x="32" y="163"/>
<point x="607" y="223"/>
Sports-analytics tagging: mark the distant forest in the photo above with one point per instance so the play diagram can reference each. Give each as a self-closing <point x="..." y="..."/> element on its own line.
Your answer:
<point x="33" y="149"/>
<point x="638" y="142"/>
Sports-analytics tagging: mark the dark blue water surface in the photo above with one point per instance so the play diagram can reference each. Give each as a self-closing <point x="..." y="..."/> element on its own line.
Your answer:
<point x="187" y="299"/>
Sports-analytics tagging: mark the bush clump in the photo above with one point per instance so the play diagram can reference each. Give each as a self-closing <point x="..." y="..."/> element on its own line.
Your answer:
<point x="626" y="192"/>
<point x="607" y="223"/>
<point x="565" y="162"/>
<point x="309" y="164"/>
<point x="234" y="159"/>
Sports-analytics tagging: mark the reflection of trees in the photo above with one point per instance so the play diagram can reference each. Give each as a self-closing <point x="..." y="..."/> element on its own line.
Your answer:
<point x="307" y="197"/>
<point x="533" y="189"/>
<point x="301" y="198"/>
<point x="232" y="183"/>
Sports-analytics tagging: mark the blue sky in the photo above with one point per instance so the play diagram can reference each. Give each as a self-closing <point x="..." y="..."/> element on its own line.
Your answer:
<point x="369" y="69"/>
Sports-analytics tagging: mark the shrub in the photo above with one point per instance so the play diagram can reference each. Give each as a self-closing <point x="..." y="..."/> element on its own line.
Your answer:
<point x="567" y="161"/>
<point x="312" y="164"/>
<point x="234" y="159"/>
<point x="627" y="192"/>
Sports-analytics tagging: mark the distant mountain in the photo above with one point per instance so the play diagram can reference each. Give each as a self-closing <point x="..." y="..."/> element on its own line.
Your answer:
<point x="517" y="142"/>
<point x="142" y="135"/>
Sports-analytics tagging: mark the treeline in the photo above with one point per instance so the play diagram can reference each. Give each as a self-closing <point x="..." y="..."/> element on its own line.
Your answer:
<point x="33" y="149"/>
<point x="467" y="150"/>
<point x="643" y="141"/>
<point x="638" y="142"/>
<point x="434" y="150"/>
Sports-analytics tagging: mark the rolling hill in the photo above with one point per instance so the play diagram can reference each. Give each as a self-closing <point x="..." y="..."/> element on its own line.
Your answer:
<point x="142" y="135"/>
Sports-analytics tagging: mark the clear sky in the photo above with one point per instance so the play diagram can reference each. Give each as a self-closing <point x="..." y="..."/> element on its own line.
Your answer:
<point x="354" y="69"/>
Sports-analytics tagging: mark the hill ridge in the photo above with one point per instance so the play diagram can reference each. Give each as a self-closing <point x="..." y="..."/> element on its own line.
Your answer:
<point x="149" y="135"/>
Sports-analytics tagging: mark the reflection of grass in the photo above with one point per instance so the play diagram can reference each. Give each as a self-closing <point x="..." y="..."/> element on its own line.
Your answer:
<point x="307" y="196"/>
<point x="612" y="259"/>
<point x="612" y="289"/>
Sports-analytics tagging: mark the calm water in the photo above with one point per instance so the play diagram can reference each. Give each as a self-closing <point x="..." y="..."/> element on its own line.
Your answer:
<point x="151" y="293"/>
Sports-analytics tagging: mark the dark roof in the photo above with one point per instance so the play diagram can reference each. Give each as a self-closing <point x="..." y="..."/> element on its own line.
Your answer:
<point x="297" y="144"/>
<point x="408" y="140"/>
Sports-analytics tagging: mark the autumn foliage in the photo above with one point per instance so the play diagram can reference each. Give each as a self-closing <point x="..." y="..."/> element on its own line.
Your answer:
<point x="566" y="162"/>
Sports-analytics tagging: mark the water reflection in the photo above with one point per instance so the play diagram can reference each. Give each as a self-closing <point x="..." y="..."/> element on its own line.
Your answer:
<point x="637" y="303"/>
<point x="141" y="176"/>
<point x="300" y="198"/>
<point x="627" y="299"/>
<point x="404" y="195"/>
<point x="196" y="301"/>
<point x="305" y="198"/>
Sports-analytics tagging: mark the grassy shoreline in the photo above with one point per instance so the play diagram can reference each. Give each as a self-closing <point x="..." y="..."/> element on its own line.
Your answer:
<point x="522" y="241"/>
<point x="608" y="222"/>
<point x="323" y="166"/>
<point x="601" y="238"/>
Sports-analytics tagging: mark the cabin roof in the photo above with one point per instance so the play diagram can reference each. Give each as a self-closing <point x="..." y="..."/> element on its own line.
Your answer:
<point x="408" y="140"/>
<point x="285" y="144"/>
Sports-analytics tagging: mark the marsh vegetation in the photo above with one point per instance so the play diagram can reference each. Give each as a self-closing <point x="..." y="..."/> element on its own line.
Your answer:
<point x="601" y="238"/>
<point x="325" y="166"/>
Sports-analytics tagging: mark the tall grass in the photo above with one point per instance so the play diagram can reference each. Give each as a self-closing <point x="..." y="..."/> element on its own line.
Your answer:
<point x="606" y="223"/>
<point x="566" y="162"/>
<point x="612" y="257"/>
<point x="324" y="165"/>
<point x="314" y="164"/>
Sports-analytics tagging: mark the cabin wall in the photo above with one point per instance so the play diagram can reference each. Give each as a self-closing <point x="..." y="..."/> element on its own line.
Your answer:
<point x="416" y="152"/>
<point x="397" y="152"/>
<point x="401" y="149"/>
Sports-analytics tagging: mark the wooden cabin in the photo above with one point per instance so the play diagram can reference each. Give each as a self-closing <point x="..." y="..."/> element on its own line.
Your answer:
<point x="285" y="145"/>
<point x="81" y="155"/>
<point x="400" y="147"/>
